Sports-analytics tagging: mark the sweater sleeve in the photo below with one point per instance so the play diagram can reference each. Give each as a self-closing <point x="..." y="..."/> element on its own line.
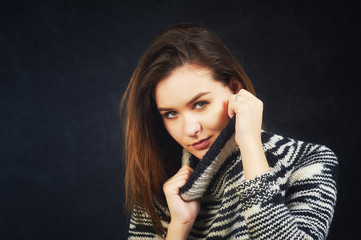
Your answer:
<point x="141" y="227"/>
<point x="297" y="203"/>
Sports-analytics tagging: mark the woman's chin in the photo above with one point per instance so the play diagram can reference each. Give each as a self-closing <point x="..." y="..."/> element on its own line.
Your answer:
<point x="200" y="153"/>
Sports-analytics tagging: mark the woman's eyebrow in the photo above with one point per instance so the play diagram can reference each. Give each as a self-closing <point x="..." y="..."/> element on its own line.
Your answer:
<point x="195" y="98"/>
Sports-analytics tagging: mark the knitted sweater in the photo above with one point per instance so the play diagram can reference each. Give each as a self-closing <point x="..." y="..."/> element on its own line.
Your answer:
<point x="294" y="200"/>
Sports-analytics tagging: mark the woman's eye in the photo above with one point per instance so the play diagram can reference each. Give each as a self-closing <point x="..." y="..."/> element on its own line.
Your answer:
<point x="201" y="105"/>
<point x="171" y="114"/>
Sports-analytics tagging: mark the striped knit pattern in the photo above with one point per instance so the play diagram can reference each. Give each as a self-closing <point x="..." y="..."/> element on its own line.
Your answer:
<point x="294" y="200"/>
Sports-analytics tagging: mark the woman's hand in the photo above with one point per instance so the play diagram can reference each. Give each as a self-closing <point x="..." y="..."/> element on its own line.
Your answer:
<point x="183" y="214"/>
<point x="248" y="110"/>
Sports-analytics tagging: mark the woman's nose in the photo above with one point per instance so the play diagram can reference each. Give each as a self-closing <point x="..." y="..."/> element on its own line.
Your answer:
<point x="191" y="125"/>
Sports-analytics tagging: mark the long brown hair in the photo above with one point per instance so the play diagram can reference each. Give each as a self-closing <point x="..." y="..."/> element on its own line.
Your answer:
<point x="151" y="154"/>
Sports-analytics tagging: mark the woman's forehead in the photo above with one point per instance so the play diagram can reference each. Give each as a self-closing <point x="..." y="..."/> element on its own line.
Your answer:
<point x="184" y="84"/>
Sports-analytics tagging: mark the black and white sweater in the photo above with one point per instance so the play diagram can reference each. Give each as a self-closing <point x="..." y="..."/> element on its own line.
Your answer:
<point x="294" y="200"/>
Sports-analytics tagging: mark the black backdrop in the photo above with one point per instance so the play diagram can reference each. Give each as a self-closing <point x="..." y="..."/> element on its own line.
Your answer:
<point x="65" y="64"/>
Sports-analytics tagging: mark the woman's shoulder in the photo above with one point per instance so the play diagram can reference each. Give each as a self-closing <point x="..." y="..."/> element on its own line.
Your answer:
<point x="291" y="151"/>
<point x="274" y="141"/>
<point x="299" y="162"/>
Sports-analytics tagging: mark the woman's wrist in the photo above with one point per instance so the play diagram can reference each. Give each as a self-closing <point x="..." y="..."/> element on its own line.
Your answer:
<point x="178" y="230"/>
<point x="253" y="158"/>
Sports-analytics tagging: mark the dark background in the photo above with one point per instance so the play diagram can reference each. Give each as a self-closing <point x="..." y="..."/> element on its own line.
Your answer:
<point x="65" y="64"/>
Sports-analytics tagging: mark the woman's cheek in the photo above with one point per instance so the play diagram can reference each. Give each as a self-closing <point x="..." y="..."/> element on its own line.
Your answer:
<point x="220" y="117"/>
<point x="174" y="131"/>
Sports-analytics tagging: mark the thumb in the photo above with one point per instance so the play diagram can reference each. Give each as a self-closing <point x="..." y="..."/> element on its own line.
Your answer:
<point x="231" y="103"/>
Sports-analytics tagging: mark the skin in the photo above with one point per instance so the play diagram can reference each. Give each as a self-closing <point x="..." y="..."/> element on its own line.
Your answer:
<point x="195" y="108"/>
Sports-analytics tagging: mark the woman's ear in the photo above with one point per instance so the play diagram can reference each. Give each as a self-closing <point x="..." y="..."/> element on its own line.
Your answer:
<point x="234" y="85"/>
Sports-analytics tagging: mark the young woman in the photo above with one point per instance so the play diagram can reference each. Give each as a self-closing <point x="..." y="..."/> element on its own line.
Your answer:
<point x="198" y="164"/>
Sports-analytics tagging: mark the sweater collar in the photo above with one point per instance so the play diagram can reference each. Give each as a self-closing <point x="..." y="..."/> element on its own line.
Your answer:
<point x="204" y="170"/>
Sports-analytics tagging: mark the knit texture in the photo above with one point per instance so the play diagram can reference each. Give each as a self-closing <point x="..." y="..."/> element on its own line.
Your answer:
<point x="294" y="200"/>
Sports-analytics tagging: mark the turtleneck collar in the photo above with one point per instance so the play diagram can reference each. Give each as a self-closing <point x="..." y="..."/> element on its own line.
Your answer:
<point x="204" y="170"/>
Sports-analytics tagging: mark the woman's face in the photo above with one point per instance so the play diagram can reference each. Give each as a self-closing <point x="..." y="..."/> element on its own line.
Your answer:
<point x="194" y="107"/>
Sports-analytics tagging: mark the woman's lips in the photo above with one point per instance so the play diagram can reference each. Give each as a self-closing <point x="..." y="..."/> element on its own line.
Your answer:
<point x="201" y="144"/>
